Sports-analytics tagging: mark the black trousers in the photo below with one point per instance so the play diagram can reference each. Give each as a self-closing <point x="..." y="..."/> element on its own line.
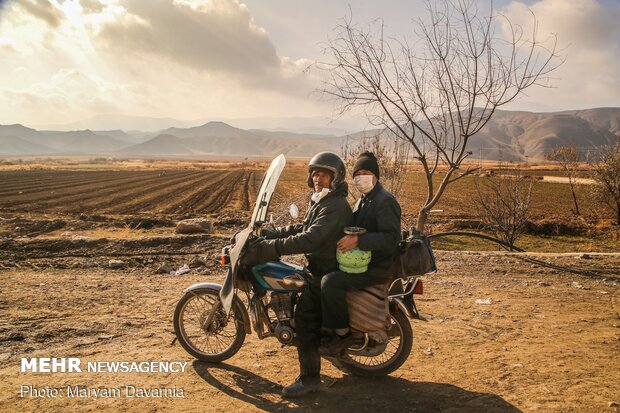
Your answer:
<point x="323" y="303"/>
<point x="334" y="287"/>
<point x="308" y="325"/>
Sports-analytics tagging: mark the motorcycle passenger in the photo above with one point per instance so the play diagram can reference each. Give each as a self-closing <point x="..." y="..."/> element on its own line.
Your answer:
<point x="379" y="213"/>
<point x="327" y="215"/>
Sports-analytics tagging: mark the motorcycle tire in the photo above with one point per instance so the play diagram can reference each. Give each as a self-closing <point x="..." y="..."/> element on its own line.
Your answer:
<point x="192" y="311"/>
<point x="369" y="366"/>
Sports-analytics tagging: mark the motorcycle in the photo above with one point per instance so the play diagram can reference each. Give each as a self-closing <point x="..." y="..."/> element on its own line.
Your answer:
<point x="211" y="321"/>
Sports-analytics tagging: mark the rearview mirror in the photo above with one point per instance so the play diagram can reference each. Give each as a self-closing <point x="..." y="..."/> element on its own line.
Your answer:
<point x="293" y="211"/>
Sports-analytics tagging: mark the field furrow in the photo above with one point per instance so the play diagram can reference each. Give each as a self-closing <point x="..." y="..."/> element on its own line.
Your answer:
<point x="221" y="196"/>
<point x="245" y="192"/>
<point x="186" y="203"/>
<point x="240" y="199"/>
<point x="251" y="192"/>
<point x="50" y="198"/>
<point x="54" y="185"/>
<point x="129" y="194"/>
<point x="79" y="202"/>
<point x="10" y="182"/>
<point x="153" y="199"/>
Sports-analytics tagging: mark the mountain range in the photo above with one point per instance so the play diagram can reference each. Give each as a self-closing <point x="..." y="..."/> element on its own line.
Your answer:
<point x="509" y="135"/>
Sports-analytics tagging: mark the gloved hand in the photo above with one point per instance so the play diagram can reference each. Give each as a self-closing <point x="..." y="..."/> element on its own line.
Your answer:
<point x="258" y="251"/>
<point x="268" y="233"/>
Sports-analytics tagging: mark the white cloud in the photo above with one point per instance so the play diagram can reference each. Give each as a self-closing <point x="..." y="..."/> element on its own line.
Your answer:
<point x="590" y="76"/>
<point x="43" y="10"/>
<point x="150" y="58"/>
<point x="69" y="94"/>
<point x="222" y="37"/>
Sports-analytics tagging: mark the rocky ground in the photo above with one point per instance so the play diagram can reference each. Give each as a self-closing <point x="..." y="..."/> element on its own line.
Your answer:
<point x="502" y="332"/>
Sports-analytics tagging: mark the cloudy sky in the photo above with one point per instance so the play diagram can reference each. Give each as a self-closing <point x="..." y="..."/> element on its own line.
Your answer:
<point x="62" y="61"/>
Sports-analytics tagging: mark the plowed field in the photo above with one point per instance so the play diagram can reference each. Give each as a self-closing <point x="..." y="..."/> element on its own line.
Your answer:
<point x="126" y="192"/>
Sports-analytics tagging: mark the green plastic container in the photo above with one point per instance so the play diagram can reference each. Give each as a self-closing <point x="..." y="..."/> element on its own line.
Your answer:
<point x="355" y="261"/>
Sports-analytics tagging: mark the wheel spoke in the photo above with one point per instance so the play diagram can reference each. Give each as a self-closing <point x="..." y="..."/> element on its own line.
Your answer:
<point x="212" y="339"/>
<point x="392" y="349"/>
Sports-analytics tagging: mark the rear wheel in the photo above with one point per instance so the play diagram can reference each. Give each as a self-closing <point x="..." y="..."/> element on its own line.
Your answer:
<point x="213" y="339"/>
<point x="395" y="353"/>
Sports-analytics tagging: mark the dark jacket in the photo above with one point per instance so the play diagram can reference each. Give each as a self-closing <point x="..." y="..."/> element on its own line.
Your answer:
<point x="379" y="213"/>
<point x="317" y="236"/>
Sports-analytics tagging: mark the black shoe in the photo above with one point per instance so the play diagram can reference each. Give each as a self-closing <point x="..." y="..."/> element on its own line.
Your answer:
<point x="337" y="344"/>
<point x="301" y="387"/>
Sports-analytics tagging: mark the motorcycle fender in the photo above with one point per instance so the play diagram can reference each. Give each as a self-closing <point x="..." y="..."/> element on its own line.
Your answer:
<point x="236" y="300"/>
<point x="403" y="307"/>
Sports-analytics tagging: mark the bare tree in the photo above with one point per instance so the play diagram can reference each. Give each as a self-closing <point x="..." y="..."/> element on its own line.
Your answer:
<point x="505" y="203"/>
<point x="392" y="157"/>
<point x="568" y="158"/>
<point x="441" y="90"/>
<point x="606" y="171"/>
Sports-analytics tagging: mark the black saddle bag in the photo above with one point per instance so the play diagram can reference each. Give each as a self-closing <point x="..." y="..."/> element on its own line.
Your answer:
<point x="415" y="256"/>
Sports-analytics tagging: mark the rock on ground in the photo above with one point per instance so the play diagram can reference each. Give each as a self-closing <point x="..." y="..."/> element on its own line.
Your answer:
<point x="194" y="226"/>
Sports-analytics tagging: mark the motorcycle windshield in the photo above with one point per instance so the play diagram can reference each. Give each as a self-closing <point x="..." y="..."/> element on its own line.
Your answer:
<point x="268" y="185"/>
<point x="261" y="207"/>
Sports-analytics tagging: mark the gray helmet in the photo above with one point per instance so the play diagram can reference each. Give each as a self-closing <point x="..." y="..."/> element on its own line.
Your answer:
<point x="331" y="162"/>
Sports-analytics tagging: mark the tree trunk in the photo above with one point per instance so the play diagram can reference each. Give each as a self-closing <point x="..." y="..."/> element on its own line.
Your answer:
<point x="572" y="190"/>
<point x="422" y="218"/>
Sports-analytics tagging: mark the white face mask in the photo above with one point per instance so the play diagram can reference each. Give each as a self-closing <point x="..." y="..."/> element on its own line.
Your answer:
<point x="317" y="196"/>
<point x="363" y="183"/>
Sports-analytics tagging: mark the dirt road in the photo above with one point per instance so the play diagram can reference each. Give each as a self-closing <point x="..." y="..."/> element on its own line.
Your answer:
<point x="502" y="334"/>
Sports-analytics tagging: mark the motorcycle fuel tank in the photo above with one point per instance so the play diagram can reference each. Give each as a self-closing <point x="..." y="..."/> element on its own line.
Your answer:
<point x="279" y="276"/>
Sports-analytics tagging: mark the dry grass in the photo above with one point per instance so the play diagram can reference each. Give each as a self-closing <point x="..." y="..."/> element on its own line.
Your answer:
<point x="126" y="232"/>
<point x="81" y="163"/>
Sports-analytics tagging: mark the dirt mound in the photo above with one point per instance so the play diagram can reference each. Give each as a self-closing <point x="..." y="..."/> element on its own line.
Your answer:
<point x="23" y="226"/>
<point x="551" y="226"/>
<point x="546" y="226"/>
<point x="83" y="247"/>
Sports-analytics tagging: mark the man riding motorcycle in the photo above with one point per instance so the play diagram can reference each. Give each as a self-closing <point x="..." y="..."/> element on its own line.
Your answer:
<point x="327" y="215"/>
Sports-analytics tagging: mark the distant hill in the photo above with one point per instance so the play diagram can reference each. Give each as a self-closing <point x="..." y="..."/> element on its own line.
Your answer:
<point x="84" y="141"/>
<point x="210" y="129"/>
<point x="527" y="136"/>
<point x="519" y="136"/>
<point x="160" y="145"/>
<point x="116" y="134"/>
<point x="218" y="138"/>
<point x="291" y="135"/>
<point x="509" y="136"/>
<point x="18" y="131"/>
<point x="14" y="146"/>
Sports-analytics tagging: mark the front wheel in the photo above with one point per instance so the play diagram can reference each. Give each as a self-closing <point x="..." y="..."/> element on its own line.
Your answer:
<point x="203" y="328"/>
<point x="394" y="354"/>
